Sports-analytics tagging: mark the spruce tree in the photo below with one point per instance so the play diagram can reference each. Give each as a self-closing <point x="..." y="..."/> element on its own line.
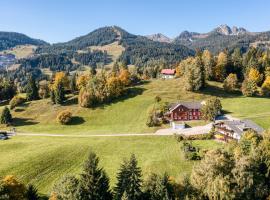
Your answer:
<point x="73" y="86"/>
<point x="129" y="180"/>
<point x="59" y="93"/>
<point x="6" y="117"/>
<point x="94" y="183"/>
<point x="31" y="193"/>
<point x="31" y="89"/>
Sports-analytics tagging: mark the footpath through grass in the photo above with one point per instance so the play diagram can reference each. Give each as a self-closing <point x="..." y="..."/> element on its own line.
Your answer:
<point x="43" y="160"/>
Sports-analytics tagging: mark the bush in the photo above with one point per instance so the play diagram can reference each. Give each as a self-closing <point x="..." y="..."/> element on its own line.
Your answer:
<point x="182" y="137"/>
<point x="16" y="101"/>
<point x="153" y="120"/>
<point x="6" y="117"/>
<point x="64" y="117"/>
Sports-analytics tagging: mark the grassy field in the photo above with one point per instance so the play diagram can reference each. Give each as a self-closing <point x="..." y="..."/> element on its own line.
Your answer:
<point x="22" y="51"/>
<point x="129" y="114"/>
<point x="43" y="160"/>
<point x="114" y="50"/>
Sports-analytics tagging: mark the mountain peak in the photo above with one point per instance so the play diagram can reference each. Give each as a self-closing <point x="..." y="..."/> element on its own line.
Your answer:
<point x="159" y="37"/>
<point x="224" y="29"/>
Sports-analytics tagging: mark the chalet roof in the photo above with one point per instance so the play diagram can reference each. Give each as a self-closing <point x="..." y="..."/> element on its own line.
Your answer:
<point x="168" y="71"/>
<point x="189" y="105"/>
<point x="239" y="126"/>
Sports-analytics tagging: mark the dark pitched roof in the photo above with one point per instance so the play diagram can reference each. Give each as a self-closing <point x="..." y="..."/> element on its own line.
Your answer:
<point x="239" y="126"/>
<point x="190" y="105"/>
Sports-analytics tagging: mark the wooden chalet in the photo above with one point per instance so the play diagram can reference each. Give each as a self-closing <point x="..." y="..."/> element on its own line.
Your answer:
<point x="234" y="129"/>
<point x="184" y="111"/>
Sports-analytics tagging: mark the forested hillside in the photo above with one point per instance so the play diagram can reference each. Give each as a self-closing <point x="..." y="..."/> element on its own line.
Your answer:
<point x="12" y="39"/>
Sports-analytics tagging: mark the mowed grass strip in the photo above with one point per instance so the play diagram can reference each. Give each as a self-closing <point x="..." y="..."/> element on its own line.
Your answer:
<point x="43" y="160"/>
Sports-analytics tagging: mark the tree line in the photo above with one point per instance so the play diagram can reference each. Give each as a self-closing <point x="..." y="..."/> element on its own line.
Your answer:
<point x="248" y="71"/>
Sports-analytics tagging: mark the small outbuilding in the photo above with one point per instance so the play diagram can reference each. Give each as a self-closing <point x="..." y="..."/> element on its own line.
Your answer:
<point x="167" y="73"/>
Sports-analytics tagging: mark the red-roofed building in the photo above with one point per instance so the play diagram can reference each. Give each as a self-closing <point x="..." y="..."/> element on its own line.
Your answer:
<point x="167" y="73"/>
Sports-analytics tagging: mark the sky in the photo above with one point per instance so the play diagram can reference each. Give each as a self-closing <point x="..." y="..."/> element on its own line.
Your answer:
<point x="62" y="20"/>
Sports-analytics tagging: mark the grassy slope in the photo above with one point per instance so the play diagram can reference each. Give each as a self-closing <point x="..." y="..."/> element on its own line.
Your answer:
<point x="42" y="161"/>
<point x="114" y="50"/>
<point x="22" y="51"/>
<point x="129" y="115"/>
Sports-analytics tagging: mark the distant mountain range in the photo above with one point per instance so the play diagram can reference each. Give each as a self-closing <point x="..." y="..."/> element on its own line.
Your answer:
<point x="220" y="38"/>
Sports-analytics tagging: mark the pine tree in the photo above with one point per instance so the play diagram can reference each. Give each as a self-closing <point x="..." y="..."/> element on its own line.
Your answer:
<point x="31" y="193"/>
<point x="129" y="180"/>
<point x="59" y="93"/>
<point x="94" y="183"/>
<point x="31" y="89"/>
<point x="73" y="85"/>
<point x="6" y="117"/>
<point x="67" y="188"/>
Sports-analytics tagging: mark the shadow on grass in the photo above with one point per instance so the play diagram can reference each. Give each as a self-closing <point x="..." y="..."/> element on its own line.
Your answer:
<point x="19" y="109"/>
<point x="23" y="122"/>
<point x="71" y="101"/>
<point x="219" y="92"/>
<point x="76" y="120"/>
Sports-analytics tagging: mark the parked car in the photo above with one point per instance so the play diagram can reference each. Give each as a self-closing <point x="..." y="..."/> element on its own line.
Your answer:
<point x="3" y="136"/>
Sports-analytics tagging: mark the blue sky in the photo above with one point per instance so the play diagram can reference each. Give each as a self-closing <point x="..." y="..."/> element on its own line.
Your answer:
<point x="62" y="20"/>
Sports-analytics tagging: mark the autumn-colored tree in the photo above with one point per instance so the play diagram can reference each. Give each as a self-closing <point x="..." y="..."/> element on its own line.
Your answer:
<point x="208" y="62"/>
<point x="266" y="86"/>
<point x="14" y="188"/>
<point x="64" y="117"/>
<point x="82" y="81"/>
<point x="211" y="108"/>
<point x="53" y="196"/>
<point x="124" y="77"/>
<point x="254" y="75"/>
<point x="249" y="88"/>
<point x="61" y="77"/>
<point x="193" y="75"/>
<point x="114" y="86"/>
<point x="87" y="98"/>
<point x="230" y="83"/>
<point x="220" y="68"/>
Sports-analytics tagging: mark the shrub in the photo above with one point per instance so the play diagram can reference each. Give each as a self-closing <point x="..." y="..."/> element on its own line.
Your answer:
<point x="207" y="136"/>
<point x="6" y="117"/>
<point x="153" y="120"/>
<point x="64" y="117"/>
<point x="16" y="101"/>
<point x="230" y="83"/>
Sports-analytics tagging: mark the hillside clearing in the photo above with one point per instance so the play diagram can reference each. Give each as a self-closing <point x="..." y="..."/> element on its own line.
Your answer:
<point x="114" y="50"/>
<point x="22" y="51"/>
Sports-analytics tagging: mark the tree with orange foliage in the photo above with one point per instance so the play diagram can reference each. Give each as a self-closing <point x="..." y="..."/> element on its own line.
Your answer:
<point x="82" y="81"/>
<point x="124" y="77"/>
<point x="220" y="68"/>
<point x="13" y="188"/>
<point x="266" y="86"/>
